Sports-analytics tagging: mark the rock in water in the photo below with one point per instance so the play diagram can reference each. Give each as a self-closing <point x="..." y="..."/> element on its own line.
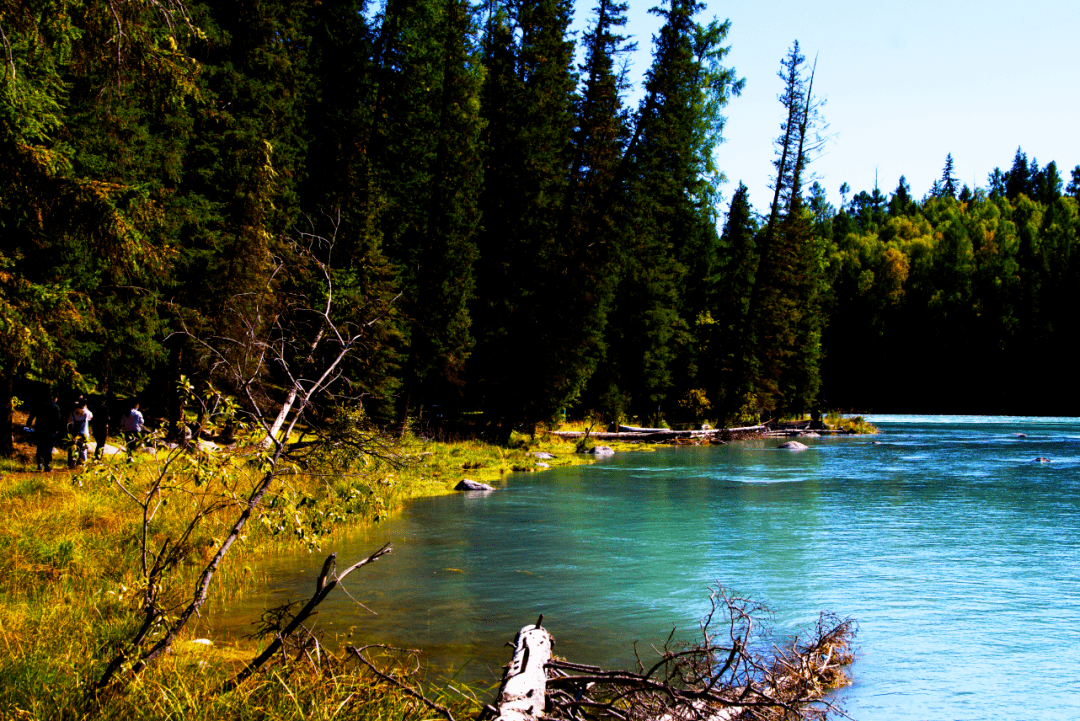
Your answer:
<point x="602" y="451"/>
<point x="1042" y="459"/>
<point x="542" y="465"/>
<point x="468" y="485"/>
<point x="543" y="455"/>
<point x="793" y="446"/>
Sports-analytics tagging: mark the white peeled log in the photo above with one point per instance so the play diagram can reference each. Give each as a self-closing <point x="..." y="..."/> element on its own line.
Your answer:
<point x="524" y="685"/>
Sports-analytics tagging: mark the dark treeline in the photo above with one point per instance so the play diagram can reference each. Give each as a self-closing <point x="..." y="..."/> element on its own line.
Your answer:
<point x="526" y="240"/>
<point x="960" y="302"/>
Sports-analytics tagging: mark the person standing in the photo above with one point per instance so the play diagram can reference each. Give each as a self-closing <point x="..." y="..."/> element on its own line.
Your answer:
<point x="100" y="426"/>
<point x="46" y="426"/>
<point x="132" y="425"/>
<point x="79" y="428"/>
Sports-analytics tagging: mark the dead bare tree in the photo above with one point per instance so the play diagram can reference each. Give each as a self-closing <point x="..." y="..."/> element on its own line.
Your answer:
<point x="270" y="335"/>
<point x="738" y="677"/>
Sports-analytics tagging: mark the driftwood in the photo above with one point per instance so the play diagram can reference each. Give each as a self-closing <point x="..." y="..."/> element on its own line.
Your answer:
<point x="664" y="435"/>
<point x="736" y="675"/>
<point x="523" y="691"/>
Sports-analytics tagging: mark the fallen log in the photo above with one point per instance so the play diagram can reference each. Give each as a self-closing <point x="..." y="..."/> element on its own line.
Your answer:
<point x="661" y="435"/>
<point x="524" y="685"/>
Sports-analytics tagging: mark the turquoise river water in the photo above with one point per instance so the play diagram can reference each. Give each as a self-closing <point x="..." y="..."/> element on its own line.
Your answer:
<point x="956" y="552"/>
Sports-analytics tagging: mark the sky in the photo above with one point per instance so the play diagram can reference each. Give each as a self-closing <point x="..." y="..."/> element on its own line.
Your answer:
<point x="905" y="84"/>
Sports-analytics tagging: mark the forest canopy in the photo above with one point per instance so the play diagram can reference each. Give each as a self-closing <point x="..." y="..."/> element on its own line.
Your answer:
<point x="476" y="178"/>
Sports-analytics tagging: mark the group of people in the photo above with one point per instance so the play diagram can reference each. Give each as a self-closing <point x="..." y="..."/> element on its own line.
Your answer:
<point x="51" y="427"/>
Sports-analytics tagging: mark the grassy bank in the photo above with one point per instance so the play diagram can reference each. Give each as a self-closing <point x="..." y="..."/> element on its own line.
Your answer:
<point x="72" y="579"/>
<point x="851" y="424"/>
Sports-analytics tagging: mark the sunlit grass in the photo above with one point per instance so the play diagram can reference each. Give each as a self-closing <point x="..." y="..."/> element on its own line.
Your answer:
<point x="70" y="583"/>
<point x="851" y="424"/>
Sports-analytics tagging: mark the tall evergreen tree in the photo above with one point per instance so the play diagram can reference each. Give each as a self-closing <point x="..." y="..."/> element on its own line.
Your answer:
<point x="527" y="103"/>
<point x="672" y="182"/>
<point x="593" y="225"/>
<point x="427" y="152"/>
<point x="781" y="346"/>
<point x="1018" y="179"/>
<point x="730" y="305"/>
<point x="73" y="226"/>
<point x="901" y="201"/>
<point x="1073" y="188"/>
<point x="1046" y="184"/>
<point x="948" y="181"/>
<point x="995" y="182"/>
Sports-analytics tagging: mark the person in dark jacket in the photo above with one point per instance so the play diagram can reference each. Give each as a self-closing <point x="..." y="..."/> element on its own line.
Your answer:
<point x="46" y="426"/>
<point x="100" y="426"/>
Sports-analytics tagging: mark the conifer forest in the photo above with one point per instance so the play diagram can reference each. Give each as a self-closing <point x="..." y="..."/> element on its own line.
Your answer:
<point x="517" y="238"/>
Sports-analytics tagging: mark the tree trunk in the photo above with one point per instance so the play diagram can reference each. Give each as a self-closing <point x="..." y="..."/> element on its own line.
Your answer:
<point x="294" y="390"/>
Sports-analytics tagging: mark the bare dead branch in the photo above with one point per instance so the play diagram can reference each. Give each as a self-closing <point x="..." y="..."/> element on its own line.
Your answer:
<point x="441" y="710"/>
<point x="324" y="584"/>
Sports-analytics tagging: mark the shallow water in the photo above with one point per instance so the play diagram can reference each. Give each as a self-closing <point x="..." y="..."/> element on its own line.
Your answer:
<point x="956" y="553"/>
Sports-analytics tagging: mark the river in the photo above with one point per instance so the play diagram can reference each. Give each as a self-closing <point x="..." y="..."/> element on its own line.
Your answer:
<point x="956" y="552"/>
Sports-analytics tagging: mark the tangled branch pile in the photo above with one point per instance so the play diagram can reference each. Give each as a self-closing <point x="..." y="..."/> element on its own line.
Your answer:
<point x="736" y="676"/>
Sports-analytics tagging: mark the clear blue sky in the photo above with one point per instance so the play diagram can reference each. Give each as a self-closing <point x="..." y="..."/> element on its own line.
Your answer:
<point x="906" y="83"/>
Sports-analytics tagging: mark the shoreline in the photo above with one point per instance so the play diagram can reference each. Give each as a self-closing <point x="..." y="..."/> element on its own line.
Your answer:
<point x="711" y="435"/>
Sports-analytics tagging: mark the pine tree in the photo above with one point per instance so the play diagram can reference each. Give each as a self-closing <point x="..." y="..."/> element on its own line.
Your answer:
<point x="901" y="201"/>
<point x="996" y="183"/>
<point x="781" y="340"/>
<point x="948" y="182"/>
<point x="527" y="103"/>
<point x="592" y="231"/>
<point x="730" y="305"/>
<point x="1018" y="179"/>
<point x="1046" y="184"/>
<point x="672" y="184"/>
<point x="428" y="157"/>
<point x="1073" y="188"/>
<point x="74" y="226"/>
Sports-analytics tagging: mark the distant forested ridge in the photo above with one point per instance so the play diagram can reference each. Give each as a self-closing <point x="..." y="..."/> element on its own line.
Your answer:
<point x="962" y="302"/>
<point x="520" y="240"/>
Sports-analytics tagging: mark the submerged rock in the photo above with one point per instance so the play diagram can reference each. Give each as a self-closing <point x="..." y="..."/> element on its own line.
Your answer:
<point x="793" y="446"/>
<point x="469" y="485"/>
<point x="602" y="451"/>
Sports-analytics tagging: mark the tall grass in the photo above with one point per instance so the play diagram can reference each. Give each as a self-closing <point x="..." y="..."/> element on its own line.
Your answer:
<point x="851" y="424"/>
<point x="70" y="585"/>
